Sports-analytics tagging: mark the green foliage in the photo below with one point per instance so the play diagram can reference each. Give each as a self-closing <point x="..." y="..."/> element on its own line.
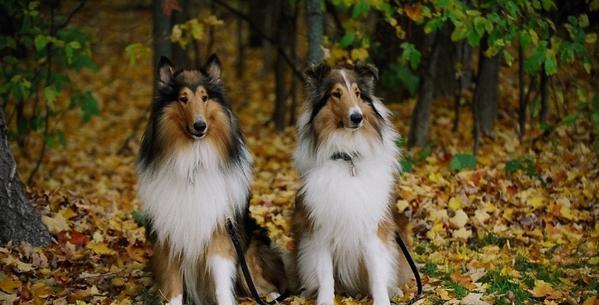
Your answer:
<point x="525" y="164"/>
<point x="36" y="58"/>
<point x="139" y="217"/>
<point x="491" y="239"/>
<point x="462" y="161"/>
<point x="400" y="74"/>
<point x="412" y="157"/>
<point x="595" y="117"/>
<point x="504" y="286"/>
<point x="432" y="270"/>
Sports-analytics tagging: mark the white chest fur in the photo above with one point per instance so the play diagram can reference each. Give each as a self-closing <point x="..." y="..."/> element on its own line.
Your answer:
<point x="188" y="195"/>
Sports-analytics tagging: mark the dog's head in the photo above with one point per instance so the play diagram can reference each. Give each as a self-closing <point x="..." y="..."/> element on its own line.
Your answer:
<point x="341" y="98"/>
<point x="192" y="100"/>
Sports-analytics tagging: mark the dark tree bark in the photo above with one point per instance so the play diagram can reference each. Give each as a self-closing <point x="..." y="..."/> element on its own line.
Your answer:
<point x="258" y="9"/>
<point x="293" y="56"/>
<point x="445" y="77"/>
<point x="181" y="56"/>
<point x="487" y="91"/>
<point x="315" y="18"/>
<point x="543" y="89"/>
<point x="161" y="29"/>
<point x="463" y="79"/>
<point x="420" y="120"/>
<point x="284" y="27"/>
<point x="521" y="92"/>
<point x="240" y="64"/>
<point x="18" y="219"/>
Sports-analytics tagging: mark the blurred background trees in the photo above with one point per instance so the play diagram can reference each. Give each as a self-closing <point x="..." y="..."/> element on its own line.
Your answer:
<point x="426" y="51"/>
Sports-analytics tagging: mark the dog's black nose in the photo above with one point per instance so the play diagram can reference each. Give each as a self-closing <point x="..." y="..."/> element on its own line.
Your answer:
<point x="356" y="117"/>
<point x="199" y="126"/>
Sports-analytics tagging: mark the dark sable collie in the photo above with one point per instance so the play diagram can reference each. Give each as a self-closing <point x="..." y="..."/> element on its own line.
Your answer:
<point x="194" y="173"/>
<point x="345" y="225"/>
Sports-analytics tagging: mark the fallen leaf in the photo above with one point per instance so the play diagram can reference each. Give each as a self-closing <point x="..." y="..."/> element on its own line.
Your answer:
<point x="100" y="248"/>
<point x="55" y="224"/>
<point x="460" y="219"/>
<point x="9" y="285"/>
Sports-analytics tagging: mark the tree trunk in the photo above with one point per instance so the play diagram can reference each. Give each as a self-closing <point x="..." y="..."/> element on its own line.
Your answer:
<point x="463" y="79"/>
<point x="240" y="64"/>
<point x="543" y="90"/>
<point x="161" y="30"/>
<point x="315" y="31"/>
<point x="446" y="82"/>
<point x="181" y="56"/>
<point x="522" y="92"/>
<point x="419" y="124"/>
<point x="487" y="90"/>
<point x="18" y="219"/>
<point x="284" y="27"/>
<point x="293" y="55"/>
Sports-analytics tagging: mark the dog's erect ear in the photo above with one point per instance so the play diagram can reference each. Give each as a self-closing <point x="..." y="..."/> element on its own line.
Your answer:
<point x="213" y="68"/>
<point x="165" y="73"/>
<point x="316" y="73"/>
<point x="367" y="70"/>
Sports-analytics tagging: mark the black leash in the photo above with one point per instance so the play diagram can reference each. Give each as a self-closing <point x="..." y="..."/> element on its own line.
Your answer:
<point x="244" y="267"/>
<point x="250" y="283"/>
<point x="410" y="260"/>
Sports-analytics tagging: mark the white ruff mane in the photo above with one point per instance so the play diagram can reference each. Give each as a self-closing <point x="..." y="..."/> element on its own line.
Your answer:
<point x="190" y="193"/>
<point x="346" y="210"/>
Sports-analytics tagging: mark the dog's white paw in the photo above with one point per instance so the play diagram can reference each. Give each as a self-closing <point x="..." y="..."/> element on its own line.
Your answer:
<point x="382" y="302"/>
<point x="178" y="300"/>
<point x="325" y="301"/>
<point x="272" y="296"/>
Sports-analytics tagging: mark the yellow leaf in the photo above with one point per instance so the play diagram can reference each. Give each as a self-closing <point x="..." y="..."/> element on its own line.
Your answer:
<point x="359" y="54"/>
<point x="473" y="299"/>
<point x="462" y="233"/>
<point x="67" y="213"/>
<point x="481" y="215"/>
<point x="414" y="12"/>
<point x="543" y="289"/>
<point x="118" y="281"/>
<point x="100" y="248"/>
<point x="41" y="290"/>
<point x="444" y="294"/>
<point x="402" y="205"/>
<point x="9" y="285"/>
<point x="459" y="219"/>
<point x="56" y="224"/>
<point x="591" y="301"/>
<point x="455" y="203"/>
<point x="594" y="260"/>
<point x="536" y="202"/>
<point x="590" y="38"/>
<point x="213" y="20"/>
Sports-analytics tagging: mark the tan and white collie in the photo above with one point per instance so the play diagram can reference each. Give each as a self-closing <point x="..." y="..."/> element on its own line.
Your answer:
<point x="194" y="174"/>
<point x="344" y="221"/>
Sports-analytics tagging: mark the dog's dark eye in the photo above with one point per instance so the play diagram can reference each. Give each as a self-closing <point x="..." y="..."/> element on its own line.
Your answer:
<point x="183" y="99"/>
<point x="336" y="94"/>
<point x="357" y="93"/>
<point x="204" y="98"/>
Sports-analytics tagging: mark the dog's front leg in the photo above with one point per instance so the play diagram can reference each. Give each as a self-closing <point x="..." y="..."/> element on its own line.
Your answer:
<point x="223" y="275"/>
<point x="380" y="268"/>
<point x="325" y="277"/>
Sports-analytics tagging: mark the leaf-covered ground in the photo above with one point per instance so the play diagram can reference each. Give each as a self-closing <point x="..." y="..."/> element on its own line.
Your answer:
<point x="506" y="232"/>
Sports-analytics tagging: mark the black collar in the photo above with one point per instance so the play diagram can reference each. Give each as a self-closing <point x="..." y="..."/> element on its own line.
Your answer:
<point x="347" y="157"/>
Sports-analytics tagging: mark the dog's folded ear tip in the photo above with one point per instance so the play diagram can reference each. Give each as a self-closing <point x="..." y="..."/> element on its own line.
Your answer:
<point x="213" y="58"/>
<point x="164" y="61"/>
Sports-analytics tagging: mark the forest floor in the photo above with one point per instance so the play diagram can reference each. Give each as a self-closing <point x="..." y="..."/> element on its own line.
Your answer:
<point x="493" y="234"/>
